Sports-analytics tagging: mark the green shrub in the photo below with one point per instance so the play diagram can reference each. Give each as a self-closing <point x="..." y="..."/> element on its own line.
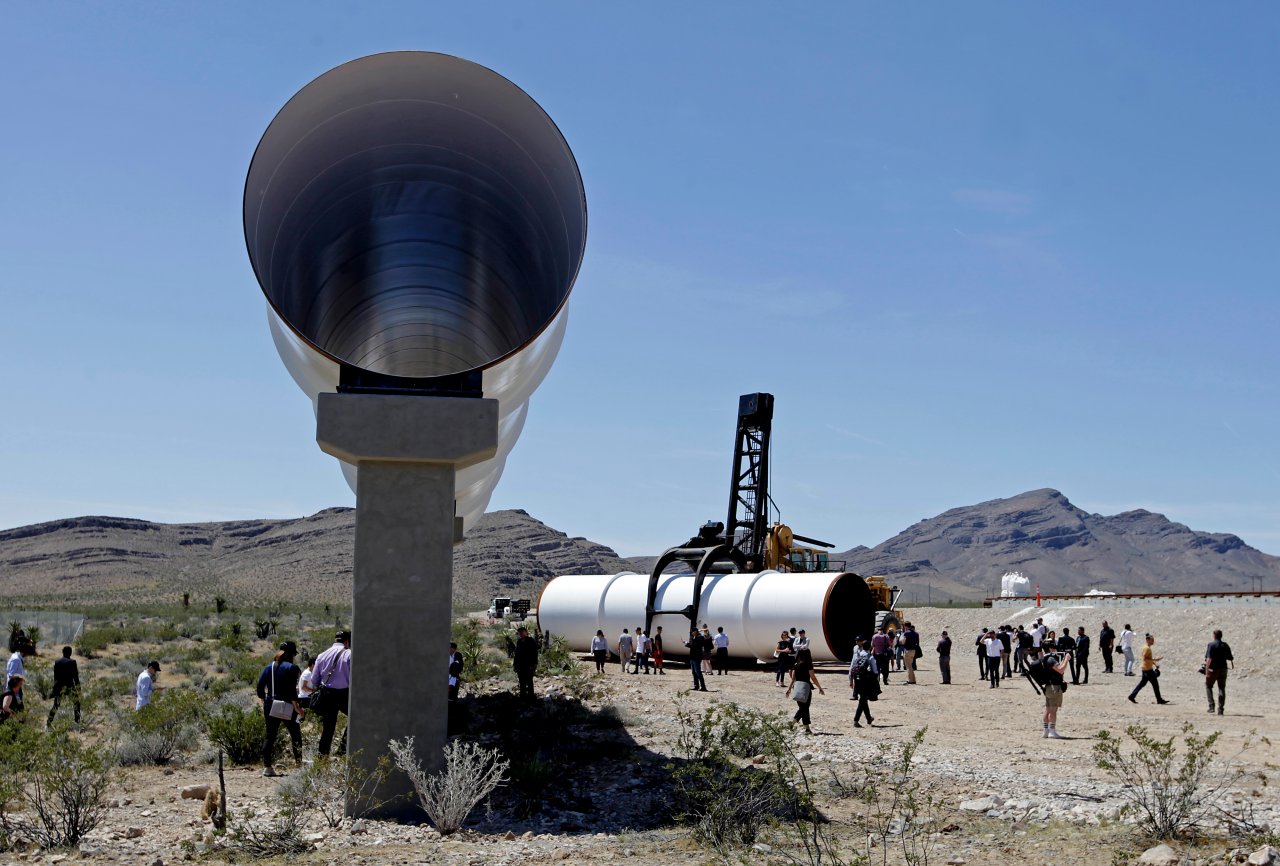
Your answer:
<point x="231" y="636"/>
<point x="556" y="659"/>
<point x="728" y="804"/>
<point x="241" y="667"/>
<point x="1171" y="795"/>
<point x="59" y="782"/>
<point x="240" y="733"/>
<point x="160" y="731"/>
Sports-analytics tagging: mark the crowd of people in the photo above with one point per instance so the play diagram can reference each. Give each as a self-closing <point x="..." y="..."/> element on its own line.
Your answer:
<point x="290" y="690"/>
<point x="1052" y="659"/>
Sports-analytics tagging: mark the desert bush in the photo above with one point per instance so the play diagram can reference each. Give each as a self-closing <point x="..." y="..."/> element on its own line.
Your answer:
<point x="107" y="688"/>
<point x="160" y="731"/>
<point x="470" y="774"/>
<point x="280" y="834"/>
<point x="325" y="787"/>
<point x="240" y="733"/>
<point x="61" y="782"/>
<point x="1171" y="795"/>
<point x="556" y="659"/>
<point x="480" y="655"/>
<point x="231" y="636"/>
<point x="729" y="804"/>
<point x="242" y="667"/>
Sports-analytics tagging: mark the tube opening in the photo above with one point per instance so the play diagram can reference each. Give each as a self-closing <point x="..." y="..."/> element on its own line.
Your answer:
<point x="414" y="215"/>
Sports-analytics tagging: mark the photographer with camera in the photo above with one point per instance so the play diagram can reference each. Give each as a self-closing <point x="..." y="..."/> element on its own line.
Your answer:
<point x="1046" y="674"/>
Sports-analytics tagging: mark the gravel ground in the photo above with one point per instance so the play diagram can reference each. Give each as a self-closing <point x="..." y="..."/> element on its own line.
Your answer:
<point x="984" y="753"/>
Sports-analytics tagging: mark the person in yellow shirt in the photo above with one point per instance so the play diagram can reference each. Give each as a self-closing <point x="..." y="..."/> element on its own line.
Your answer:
<point x="1150" y="673"/>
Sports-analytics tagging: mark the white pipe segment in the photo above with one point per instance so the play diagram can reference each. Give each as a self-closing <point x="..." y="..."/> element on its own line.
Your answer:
<point x="416" y="223"/>
<point x="510" y="382"/>
<point x="753" y="609"/>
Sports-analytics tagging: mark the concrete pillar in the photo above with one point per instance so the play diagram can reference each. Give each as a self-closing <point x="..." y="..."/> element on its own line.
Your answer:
<point x="408" y="449"/>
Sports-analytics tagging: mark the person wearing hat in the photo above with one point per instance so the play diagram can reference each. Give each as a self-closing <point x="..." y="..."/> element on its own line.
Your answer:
<point x="801" y="643"/>
<point x="331" y="674"/>
<point x="147" y="684"/>
<point x="279" y="682"/>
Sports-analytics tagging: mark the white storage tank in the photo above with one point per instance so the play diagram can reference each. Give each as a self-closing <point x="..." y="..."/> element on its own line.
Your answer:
<point x="1014" y="585"/>
<point x="833" y="608"/>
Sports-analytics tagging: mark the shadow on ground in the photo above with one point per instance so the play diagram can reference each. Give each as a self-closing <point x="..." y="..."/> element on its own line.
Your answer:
<point x="571" y="766"/>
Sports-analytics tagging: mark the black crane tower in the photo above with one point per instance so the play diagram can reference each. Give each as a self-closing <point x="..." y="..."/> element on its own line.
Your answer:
<point x="747" y="525"/>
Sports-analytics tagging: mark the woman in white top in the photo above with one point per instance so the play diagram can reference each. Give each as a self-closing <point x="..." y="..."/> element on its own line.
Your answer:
<point x="600" y="649"/>
<point x="306" y="688"/>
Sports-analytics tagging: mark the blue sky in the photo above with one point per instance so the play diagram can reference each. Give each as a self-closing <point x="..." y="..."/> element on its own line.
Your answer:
<point x="973" y="249"/>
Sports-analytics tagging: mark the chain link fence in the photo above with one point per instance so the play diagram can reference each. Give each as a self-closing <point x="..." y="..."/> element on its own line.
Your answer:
<point x="55" y="628"/>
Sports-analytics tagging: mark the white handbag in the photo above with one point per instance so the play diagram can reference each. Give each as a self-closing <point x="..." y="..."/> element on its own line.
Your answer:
<point x="279" y="709"/>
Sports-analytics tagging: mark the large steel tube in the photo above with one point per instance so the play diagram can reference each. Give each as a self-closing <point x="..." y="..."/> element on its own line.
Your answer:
<point x="752" y="608"/>
<point x="415" y="215"/>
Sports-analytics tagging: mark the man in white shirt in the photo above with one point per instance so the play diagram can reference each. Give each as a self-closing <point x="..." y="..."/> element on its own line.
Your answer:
<point x="995" y="647"/>
<point x="721" y="643"/>
<point x="15" y="667"/>
<point x="642" y="650"/>
<point x="147" y="684"/>
<point x="1126" y="647"/>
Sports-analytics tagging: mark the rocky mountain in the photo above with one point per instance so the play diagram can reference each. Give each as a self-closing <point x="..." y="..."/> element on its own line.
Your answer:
<point x="99" y="559"/>
<point x="962" y="553"/>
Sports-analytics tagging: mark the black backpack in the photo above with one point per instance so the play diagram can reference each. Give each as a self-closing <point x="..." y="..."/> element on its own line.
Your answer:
<point x="1043" y="674"/>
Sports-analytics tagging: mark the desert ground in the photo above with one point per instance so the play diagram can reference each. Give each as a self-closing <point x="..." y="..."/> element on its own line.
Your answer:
<point x="1047" y="798"/>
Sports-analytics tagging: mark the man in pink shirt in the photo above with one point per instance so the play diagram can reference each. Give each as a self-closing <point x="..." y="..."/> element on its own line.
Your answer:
<point x="331" y="675"/>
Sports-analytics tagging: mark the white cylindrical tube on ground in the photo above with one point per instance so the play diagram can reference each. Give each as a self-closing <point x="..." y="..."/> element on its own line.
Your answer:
<point x="834" y="609"/>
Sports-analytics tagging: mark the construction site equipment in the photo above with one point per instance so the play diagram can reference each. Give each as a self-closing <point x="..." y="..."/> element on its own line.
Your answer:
<point x="744" y="547"/>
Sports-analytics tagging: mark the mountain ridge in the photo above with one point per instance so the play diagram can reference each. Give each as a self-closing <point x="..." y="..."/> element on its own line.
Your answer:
<point x="958" y="554"/>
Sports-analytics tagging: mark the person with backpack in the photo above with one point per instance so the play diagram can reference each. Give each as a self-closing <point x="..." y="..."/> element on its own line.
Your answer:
<point x="864" y="679"/>
<point x="1046" y="672"/>
<point x="1216" y="656"/>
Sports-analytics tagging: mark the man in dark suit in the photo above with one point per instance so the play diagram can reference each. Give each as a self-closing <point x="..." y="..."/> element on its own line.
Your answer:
<point x="525" y="662"/>
<point x="66" y="681"/>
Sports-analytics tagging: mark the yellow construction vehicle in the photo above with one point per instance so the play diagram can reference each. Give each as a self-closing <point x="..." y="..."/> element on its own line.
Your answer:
<point x="782" y="553"/>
